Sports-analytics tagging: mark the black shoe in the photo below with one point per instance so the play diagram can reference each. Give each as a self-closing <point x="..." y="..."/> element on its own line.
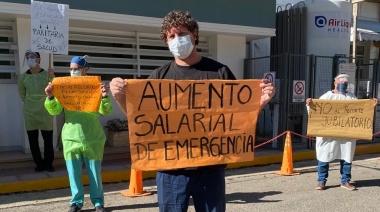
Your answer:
<point x="74" y="208"/>
<point x="50" y="169"/>
<point x="38" y="169"/>
<point x="100" y="208"/>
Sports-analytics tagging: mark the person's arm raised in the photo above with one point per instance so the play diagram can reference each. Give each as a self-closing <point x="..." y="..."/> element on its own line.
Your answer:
<point x="117" y="88"/>
<point x="268" y="91"/>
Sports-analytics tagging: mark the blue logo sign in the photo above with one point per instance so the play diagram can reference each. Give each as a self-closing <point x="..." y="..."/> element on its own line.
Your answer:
<point x="320" y="21"/>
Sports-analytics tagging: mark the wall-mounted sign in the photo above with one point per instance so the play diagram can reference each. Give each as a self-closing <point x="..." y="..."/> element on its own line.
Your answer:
<point x="331" y="24"/>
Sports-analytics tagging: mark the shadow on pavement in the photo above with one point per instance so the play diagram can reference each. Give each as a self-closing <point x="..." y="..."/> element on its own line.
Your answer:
<point x="252" y="197"/>
<point x="367" y="183"/>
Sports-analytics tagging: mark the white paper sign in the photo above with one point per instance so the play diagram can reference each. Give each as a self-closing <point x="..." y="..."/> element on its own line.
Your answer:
<point x="49" y="27"/>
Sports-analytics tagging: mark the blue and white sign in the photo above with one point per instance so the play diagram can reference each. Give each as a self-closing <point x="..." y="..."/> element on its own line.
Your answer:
<point x="329" y="24"/>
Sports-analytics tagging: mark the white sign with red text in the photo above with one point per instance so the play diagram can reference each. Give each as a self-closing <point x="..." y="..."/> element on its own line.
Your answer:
<point x="271" y="76"/>
<point x="298" y="91"/>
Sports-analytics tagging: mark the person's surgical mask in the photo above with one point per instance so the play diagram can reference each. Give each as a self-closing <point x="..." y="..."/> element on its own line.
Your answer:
<point x="342" y="87"/>
<point x="181" y="47"/>
<point x="75" y="72"/>
<point x="31" y="62"/>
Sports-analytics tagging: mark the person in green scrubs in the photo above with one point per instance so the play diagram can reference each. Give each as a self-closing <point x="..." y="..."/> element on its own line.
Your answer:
<point x="83" y="140"/>
<point x="31" y="85"/>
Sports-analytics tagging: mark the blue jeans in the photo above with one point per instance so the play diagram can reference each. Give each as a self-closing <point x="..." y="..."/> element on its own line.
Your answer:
<point x="205" y="185"/>
<point x="345" y="171"/>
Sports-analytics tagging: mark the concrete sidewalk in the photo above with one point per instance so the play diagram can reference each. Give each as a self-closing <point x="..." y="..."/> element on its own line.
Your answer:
<point x="118" y="170"/>
<point x="247" y="189"/>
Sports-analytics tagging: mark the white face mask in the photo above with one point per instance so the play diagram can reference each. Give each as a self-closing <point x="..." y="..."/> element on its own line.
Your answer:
<point x="181" y="47"/>
<point x="74" y="73"/>
<point x="31" y="62"/>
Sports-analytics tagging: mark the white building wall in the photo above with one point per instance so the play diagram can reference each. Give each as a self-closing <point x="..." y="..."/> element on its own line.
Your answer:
<point x="12" y="129"/>
<point x="11" y="124"/>
<point x="231" y="51"/>
<point x="23" y="41"/>
<point x="369" y="11"/>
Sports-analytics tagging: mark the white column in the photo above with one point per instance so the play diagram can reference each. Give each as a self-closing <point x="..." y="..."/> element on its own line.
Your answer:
<point x="22" y="33"/>
<point x="231" y="51"/>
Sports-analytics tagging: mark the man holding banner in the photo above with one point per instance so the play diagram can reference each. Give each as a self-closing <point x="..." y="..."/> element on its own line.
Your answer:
<point x="83" y="136"/>
<point x="206" y="184"/>
<point x="329" y="148"/>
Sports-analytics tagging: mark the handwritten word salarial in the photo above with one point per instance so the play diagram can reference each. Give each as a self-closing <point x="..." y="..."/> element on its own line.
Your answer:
<point x="202" y="122"/>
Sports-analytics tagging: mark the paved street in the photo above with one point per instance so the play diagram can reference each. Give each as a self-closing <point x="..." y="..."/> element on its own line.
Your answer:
<point x="248" y="189"/>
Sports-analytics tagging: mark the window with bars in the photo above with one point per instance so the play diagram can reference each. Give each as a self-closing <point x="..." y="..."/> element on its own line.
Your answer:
<point x="7" y="55"/>
<point x="118" y="54"/>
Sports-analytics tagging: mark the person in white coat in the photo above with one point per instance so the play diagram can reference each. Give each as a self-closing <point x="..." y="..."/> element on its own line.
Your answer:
<point x="329" y="149"/>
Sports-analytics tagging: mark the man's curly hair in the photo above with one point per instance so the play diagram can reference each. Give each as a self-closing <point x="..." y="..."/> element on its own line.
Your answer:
<point x="179" y="18"/>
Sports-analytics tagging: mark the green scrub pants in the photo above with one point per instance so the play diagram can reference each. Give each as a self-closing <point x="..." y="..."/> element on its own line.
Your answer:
<point x="93" y="167"/>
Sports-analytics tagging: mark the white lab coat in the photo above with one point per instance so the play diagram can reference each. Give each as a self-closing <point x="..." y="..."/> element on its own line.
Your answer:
<point x="329" y="149"/>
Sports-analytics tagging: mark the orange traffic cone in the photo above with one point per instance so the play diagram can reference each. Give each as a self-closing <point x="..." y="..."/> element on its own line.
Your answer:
<point x="135" y="185"/>
<point x="287" y="160"/>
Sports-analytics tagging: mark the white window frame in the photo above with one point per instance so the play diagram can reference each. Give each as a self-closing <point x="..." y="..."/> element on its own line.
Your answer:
<point x="140" y="52"/>
<point x="7" y="31"/>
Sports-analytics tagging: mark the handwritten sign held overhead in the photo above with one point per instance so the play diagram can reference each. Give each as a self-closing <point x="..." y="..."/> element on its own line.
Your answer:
<point x="78" y="93"/>
<point x="351" y="119"/>
<point x="49" y="27"/>
<point x="191" y="123"/>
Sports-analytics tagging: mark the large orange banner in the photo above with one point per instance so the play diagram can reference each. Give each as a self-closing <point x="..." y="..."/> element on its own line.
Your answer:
<point x="78" y="93"/>
<point x="191" y="123"/>
<point x="351" y="119"/>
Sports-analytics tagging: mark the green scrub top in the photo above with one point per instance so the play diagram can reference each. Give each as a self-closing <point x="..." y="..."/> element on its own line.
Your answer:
<point x="31" y="88"/>
<point x="82" y="134"/>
